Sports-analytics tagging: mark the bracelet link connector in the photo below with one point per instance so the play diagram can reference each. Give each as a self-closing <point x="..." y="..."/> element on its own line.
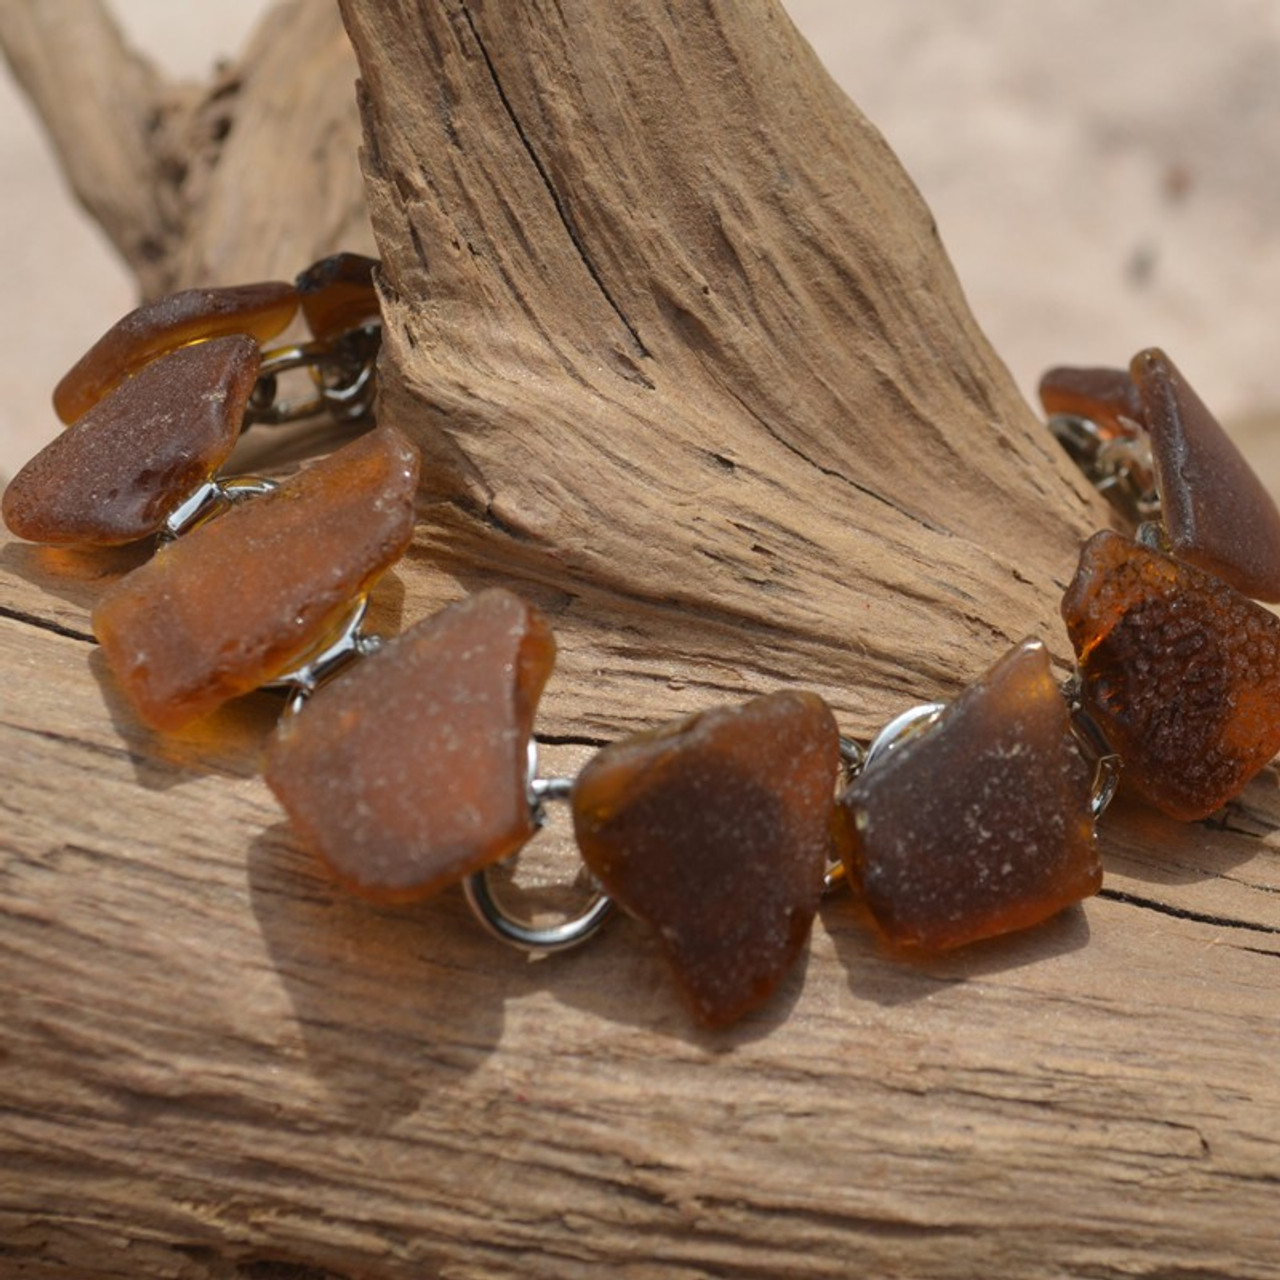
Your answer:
<point x="329" y="658"/>
<point x="209" y="500"/>
<point x="1120" y="467"/>
<point x="519" y="933"/>
<point x="342" y="371"/>
<point x="856" y="760"/>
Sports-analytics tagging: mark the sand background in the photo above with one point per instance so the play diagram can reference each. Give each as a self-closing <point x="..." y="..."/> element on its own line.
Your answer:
<point x="1105" y="176"/>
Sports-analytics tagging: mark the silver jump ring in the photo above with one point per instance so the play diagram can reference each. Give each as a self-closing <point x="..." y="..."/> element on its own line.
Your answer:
<point x="520" y="933"/>
<point x="342" y="373"/>
<point x="1093" y="745"/>
<point x="855" y="760"/>
<point x="1106" y="778"/>
<point x="524" y="936"/>
<point x="911" y="723"/>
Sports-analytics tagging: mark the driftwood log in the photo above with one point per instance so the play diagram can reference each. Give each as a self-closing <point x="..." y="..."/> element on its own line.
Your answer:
<point x="689" y="367"/>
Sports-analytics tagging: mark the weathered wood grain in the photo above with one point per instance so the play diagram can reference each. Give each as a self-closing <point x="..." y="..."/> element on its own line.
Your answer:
<point x="192" y="181"/>
<point x="692" y="371"/>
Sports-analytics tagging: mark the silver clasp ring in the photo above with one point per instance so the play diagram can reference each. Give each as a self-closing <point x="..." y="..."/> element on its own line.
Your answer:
<point x="526" y="937"/>
<point x="518" y="933"/>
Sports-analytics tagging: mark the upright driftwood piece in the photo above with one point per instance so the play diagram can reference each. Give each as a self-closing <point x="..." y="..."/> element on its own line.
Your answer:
<point x="666" y="256"/>
<point x="689" y="368"/>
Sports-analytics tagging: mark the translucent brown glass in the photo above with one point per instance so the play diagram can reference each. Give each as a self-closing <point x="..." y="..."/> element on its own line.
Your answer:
<point x="716" y="831"/>
<point x="243" y="597"/>
<point x="409" y="772"/>
<point x="115" y="474"/>
<point x="259" y="310"/>
<point x="1216" y="512"/>
<point x="1179" y="670"/>
<point x="337" y="294"/>
<point x="1104" y="396"/>
<point x="980" y="825"/>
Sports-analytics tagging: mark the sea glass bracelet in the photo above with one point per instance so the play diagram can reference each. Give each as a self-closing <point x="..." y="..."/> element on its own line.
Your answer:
<point x="415" y="769"/>
<point x="155" y="408"/>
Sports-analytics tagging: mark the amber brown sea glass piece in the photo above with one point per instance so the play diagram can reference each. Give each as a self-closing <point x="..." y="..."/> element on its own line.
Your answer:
<point x="115" y="474"/>
<point x="1179" y="670"/>
<point x="337" y="294"/>
<point x="259" y="310"/>
<point x="240" y="599"/>
<point x="716" y="832"/>
<point x="1216" y="511"/>
<point x="1107" y="397"/>
<point x="409" y="772"/>
<point x="980" y="825"/>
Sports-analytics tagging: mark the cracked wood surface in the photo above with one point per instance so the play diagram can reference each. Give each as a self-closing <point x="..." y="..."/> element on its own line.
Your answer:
<point x="691" y="370"/>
